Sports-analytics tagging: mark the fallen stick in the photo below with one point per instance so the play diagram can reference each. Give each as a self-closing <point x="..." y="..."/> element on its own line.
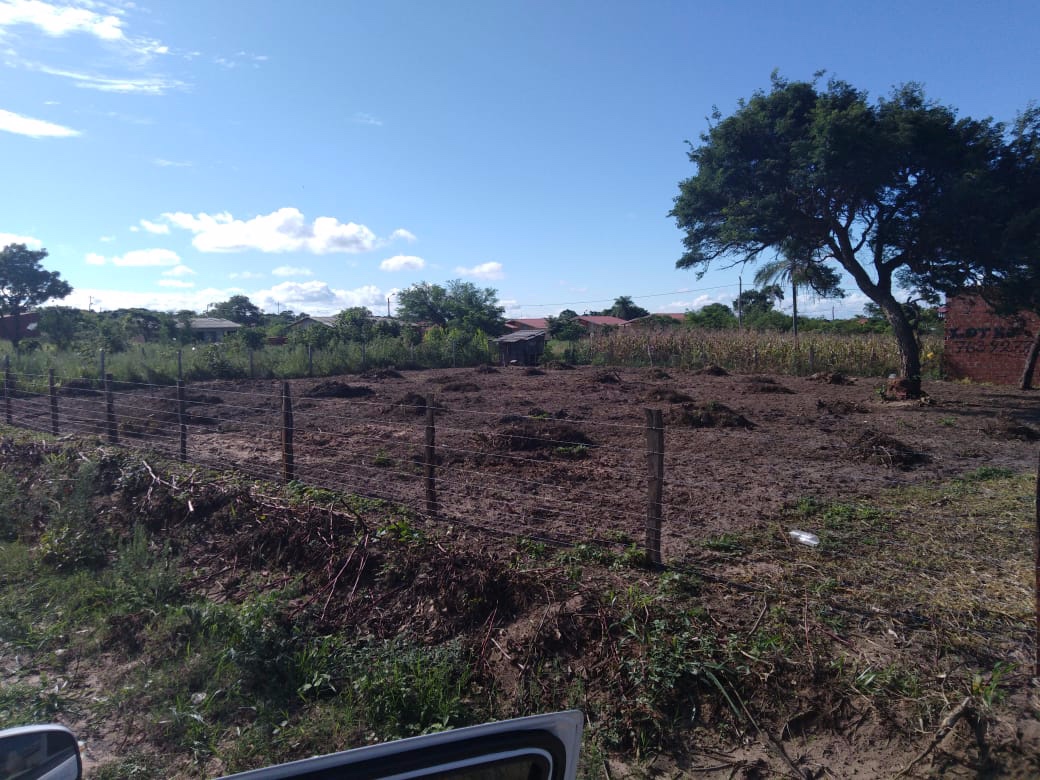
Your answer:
<point x="960" y="711"/>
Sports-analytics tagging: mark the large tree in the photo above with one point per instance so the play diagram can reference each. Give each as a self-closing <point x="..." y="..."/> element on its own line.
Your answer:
<point x="624" y="308"/>
<point x="1002" y="214"/>
<point x="25" y="283"/>
<point x="457" y="304"/>
<point x="867" y="185"/>
<point x="237" y="308"/>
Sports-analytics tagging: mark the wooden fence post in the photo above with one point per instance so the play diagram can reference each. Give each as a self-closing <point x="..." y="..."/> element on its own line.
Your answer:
<point x="7" y="388"/>
<point x="812" y="358"/>
<point x="182" y="420"/>
<point x="655" y="484"/>
<point x="430" y="459"/>
<point x="288" y="466"/>
<point x="1036" y="669"/>
<point x="110" y="411"/>
<point x="53" y="392"/>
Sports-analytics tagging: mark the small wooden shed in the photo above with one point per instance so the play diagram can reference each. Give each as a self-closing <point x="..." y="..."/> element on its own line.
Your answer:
<point x="524" y="347"/>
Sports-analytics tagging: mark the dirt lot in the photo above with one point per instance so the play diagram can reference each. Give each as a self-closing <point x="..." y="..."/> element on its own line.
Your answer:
<point x="561" y="454"/>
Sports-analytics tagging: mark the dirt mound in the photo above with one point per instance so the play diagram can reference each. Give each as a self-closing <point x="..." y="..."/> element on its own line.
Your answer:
<point x="526" y="435"/>
<point x="883" y="450"/>
<point x="713" y="370"/>
<point x="668" y="395"/>
<point x="485" y="369"/>
<point x="710" y="415"/>
<point x="461" y="387"/>
<point x="333" y="389"/>
<point x="410" y="405"/>
<point x="840" y="408"/>
<point x="1004" y="427"/>
<point x="381" y="373"/>
<point x="658" y="373"/>
<point x="830" y="378"/>
<point x="532" y="371"/>
<point x="765" y="384"/>
<point x="606" y="378"/>
<point x="559" y="365"/>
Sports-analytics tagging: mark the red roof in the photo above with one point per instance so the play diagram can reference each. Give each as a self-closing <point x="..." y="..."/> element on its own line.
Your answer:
<point x="600" y="319"/>
<point x="529" y="323"/>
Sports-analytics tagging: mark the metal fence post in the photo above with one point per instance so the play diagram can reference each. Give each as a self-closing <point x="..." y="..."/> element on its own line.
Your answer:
<point x="288" y="464"/>
<point x="655" y="484"/>
<point x="182" y="420"/>
<point x="430" y="459"/>
<point x="53" y="392"/>
<point x="110" y="411"/>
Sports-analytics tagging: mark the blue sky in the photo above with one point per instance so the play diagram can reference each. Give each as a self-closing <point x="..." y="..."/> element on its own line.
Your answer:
<point x="319" y="155"/>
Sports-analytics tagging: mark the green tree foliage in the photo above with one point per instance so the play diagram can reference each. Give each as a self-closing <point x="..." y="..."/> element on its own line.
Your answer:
<point x="752" y="303"/>
<point x="237" y="308"/>
<point x="62" y="325"/>
<point x="714" y="316"/>
<point x="874" y="187"/>
<point x="565" y="326"/>
<point x="459" y="306"/>
<point x="624" y="308"/>
<point x="355" y="324"/>
<point x="25" y="283"/>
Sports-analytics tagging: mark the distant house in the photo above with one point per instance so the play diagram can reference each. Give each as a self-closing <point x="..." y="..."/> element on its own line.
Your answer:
<point x="655" y="320"/>
<point x="212" y="329"/>
<point x="524" y="347"/>
<point x="597" y="323"/>
<point x="24" y="326"/>
<point x="311" y="322"/>
<point x="531" y="323"/>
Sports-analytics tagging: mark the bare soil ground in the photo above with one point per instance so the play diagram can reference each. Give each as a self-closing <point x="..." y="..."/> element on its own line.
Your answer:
<point x="851" y="654"/>
<point x="561" y="454"/>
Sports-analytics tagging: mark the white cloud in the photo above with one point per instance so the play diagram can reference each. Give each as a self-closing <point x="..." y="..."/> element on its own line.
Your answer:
<point x="319" y="298"/>
<point x="291" y="270"/>
<point x="154" y="85"/>
<point x="362" y="118"/>
<point x="14" y="238"/>
<point x="403" y="234"/>
<point x="482" y="271"/>
<point x="34" y="128"/>
<point x="107" y="239"/>
<point x="163" y="163"/>
<point x="59" y="20"/>
<point x="179" y="270"/>
<point x="284" y="230"/>
<point x="138" y="258"/>
<point x="402" y="263"/>
<point x="158" y="228"/>
<point x="245" y="275"/>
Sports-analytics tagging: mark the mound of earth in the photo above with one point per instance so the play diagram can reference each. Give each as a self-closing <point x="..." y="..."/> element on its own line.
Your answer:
<point x="713" y="370"/>
<point x="409" y="405"/>
<point x="607" y="378"/>
<point x="668" y="396"/>
<point x="1004" y="427"/>
<point x="765" y="384"/>
<point x="839" y="407"/>
<point x="830" y="378"/>
<point x="657" y="373"/>
<point x="78" y="387"/>
<point x="526" y="435"/>
<point x="883" y="450"/>
<point x="532" y="371"/>
<point x="485" y="369"/>
<point x="381" y="373"/>
<point x="461" y="387"/>
<point x="202" y="399"/>
<point x="710" y="415"/>
<point x="333" y="389"/>
<point x="559" y="365"/>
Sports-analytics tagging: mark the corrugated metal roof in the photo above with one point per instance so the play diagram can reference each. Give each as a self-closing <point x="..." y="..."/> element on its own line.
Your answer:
<point x="521" y="335"/>
<point x="213" y="323"/>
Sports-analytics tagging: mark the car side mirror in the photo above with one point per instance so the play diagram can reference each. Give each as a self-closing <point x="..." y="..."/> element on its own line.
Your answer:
<point x="39" y="753"/>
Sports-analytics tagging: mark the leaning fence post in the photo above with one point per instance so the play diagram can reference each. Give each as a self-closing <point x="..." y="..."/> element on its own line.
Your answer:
<point x="430" y="459"/>
<point x="288" y="466"/>
<point x="655" y="484"/>
<point x="182" y="420"/>
<point x="110" y="411"/>
<point x="53" y="392"/>
<point x="7" y="388"/>
<point x="1036" y="669"/>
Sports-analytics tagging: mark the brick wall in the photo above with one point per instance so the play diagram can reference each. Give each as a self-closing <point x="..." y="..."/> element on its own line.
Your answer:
<point x="984" y="347"/>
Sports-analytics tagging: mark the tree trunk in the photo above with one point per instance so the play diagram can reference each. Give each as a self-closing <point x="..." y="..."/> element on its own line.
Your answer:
<point x="906" y="338"/>
<point x="1031" y="358"/>
<point x="794" y="311"/>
